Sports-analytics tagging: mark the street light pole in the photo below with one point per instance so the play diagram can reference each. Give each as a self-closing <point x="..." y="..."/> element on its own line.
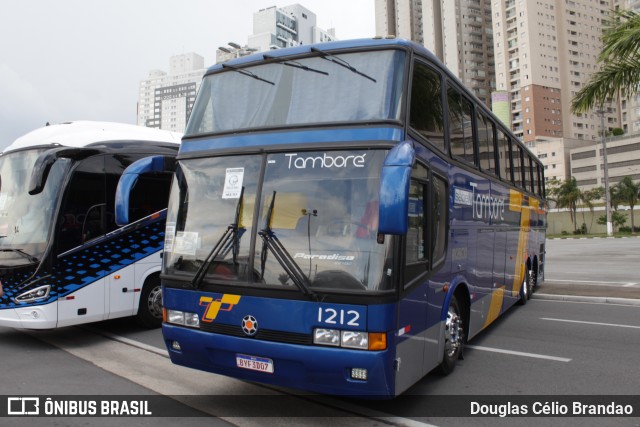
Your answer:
<point x="607" y="193"/>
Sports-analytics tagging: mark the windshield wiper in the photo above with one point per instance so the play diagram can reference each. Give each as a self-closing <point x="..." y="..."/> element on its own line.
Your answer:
<point x="341" y="62"/>
<point x="271" y="242"/>
<point x="230" y="240"/>
<point x="296" y="64"/>
<point x="30" y="257"/>
<point x="247" y="73"/>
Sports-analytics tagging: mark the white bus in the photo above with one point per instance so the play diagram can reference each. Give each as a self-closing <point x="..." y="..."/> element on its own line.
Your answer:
<point x="63" y="259"/>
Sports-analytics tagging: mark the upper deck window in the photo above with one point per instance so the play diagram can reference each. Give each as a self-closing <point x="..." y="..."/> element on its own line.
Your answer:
<point x="309" y="90"/>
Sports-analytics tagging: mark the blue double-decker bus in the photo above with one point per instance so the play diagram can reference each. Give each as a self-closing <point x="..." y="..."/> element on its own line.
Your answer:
<point x="343" y="218"/>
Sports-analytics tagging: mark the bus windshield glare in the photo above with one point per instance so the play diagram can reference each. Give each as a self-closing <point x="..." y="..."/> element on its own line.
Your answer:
<point x="313" y="225"/>
<point x="300" y="92"/>
<point x="26" y="220"/>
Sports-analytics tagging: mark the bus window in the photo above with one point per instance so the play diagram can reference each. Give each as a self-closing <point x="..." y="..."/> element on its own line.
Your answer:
<point x="85" y="197"/>
<point x="527" y="171"/>
<point x="517" y="164"/>
<point x="540" y="180"/>
<point x="416" y="259"/>
<point x="534" y="176"/>
<point x="426" y="105"/>
<point x="439" y="209"/>
<point x="460" y="126"/>
<point x="485" y="143"/>
<point x="504" y="157"/>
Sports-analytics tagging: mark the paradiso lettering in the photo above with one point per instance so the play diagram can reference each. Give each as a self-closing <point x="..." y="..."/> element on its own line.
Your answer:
<point x="326" y="161"/>
<point x="485" y="206"/>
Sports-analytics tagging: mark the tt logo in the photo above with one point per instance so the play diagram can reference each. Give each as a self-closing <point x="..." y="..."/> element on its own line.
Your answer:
<point x="214" y="306"/>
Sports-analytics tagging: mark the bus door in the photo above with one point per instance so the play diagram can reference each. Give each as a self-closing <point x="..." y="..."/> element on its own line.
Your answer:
<point x="82" y="219"/>
<point x="424" y="276"/>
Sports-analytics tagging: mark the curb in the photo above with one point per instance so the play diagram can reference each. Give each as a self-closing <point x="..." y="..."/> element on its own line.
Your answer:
<point x="578" y="298"/>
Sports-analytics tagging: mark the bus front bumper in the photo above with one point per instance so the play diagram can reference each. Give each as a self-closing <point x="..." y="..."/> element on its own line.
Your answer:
<point x="320" y="369"/>
<point x="34" y="317"/>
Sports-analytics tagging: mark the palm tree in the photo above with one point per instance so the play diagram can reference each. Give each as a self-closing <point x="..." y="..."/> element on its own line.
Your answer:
<point x="567" y="196"/>
<point x="628" y="192"/>
<point x="620" y="62"/>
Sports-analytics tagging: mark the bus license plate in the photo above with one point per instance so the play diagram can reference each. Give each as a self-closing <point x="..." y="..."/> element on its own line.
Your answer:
<point x="254" y="363"/>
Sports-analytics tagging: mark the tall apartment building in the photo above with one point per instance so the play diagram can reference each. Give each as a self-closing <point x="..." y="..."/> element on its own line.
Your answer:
<point x="629" y="106"/>
<point x="275" y="28"/>
<point x="545" y="52"/>
<point x="165" y="99"/>
<point x="459" y="32"/>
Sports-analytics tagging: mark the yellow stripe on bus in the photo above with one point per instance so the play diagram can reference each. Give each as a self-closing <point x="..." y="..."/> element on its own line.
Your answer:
<point x="497" y="296"/>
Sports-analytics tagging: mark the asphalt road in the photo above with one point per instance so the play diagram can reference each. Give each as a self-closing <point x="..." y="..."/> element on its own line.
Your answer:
<point x="575" y="345"/>
<point x="603" y="268"/>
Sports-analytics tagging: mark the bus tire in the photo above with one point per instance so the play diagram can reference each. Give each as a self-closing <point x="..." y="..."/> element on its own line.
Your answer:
<point x="533" y="275"/>
<point x="525" y="289"/>
<point x="453" y="337"/>
<point x="150" y="306"/>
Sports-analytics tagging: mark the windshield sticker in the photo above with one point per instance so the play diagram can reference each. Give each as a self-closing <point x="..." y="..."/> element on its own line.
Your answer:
<point x="169" y="236"/>
<point x="337" y="258"/>
<point x="186" y="242"/>
<point x="325" y="161"/>
<point x="233" y="183"/>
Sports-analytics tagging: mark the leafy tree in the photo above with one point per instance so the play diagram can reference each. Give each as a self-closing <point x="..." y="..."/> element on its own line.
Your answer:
<point x="619" y="60"/>
<point x="628" y="192"/>
<point x="617" y="219"/>
<point x="566" y="196"/>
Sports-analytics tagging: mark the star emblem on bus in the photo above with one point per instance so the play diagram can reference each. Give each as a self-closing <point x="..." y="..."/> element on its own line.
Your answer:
<point x="249" y="325"/>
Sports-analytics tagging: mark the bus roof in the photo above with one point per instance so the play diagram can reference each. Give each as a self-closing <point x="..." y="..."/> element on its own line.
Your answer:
<point x="340" y="44"/>
<point x="84" y="133"/>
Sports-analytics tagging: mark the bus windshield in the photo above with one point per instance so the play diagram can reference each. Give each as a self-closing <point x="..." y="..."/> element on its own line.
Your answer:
<point x="311" y="224"/>
<point x="348" y="88"/>
<point x="26" y="220"/>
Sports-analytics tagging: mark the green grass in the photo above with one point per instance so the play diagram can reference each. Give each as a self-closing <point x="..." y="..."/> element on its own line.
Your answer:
<point x="589" y="236"/>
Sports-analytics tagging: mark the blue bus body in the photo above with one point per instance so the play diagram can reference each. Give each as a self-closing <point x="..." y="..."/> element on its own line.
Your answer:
<point x="346" y="306"/>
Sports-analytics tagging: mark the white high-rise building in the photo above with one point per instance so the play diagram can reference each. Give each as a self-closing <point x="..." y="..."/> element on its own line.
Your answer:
<point x="275" y="28"/>
<point x="458" y="32"/>
<point x="165" y="99"/>
<point x="546" y="51"/>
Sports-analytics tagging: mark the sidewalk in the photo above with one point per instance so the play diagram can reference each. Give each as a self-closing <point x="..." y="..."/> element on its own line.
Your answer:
<point x="563" y="291"/>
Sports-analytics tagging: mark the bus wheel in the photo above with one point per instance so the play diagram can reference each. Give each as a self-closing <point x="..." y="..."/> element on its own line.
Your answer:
<point x="525" y="289"/>
<point x="453" y="337"/>
<point x="150" y="307"/>
<point x="533" y="275"/>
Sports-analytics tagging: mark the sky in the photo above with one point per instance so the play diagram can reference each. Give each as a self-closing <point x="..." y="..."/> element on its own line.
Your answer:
<point x="69" y="60"/>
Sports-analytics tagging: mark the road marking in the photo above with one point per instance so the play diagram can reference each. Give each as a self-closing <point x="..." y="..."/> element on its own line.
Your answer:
<point x="593" y="282"/>
<point x="519" y="353"/>
<point x="591" y="323"/>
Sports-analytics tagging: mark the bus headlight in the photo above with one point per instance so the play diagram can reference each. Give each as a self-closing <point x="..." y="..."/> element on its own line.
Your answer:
<point x="182" y="318"/>
<point x="326" y="337"/>
<point x="38" y="294"/>
<point x="373" y="341"/>
<point x="175" y="316"/>
<point x="354" y="339"/>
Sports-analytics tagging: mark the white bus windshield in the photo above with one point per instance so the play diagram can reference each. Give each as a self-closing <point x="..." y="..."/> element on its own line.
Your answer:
<point x="341" y="88"/>
<point x="316" y="223"/>
<point x="26" y="220"/>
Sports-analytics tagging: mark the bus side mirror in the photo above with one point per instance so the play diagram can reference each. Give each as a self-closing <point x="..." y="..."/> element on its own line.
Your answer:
<point x="152" y="164"/>
<point x="43" y="164"/>
<point x="393" y="210"/>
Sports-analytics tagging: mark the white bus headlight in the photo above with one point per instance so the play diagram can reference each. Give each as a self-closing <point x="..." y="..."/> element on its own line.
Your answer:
<point x="37" y="294"/>
<point x="192" y="320"/>
<point x="326" y="337"/>
<point x="354" y="339"/>
<point x="175" y="316"/>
